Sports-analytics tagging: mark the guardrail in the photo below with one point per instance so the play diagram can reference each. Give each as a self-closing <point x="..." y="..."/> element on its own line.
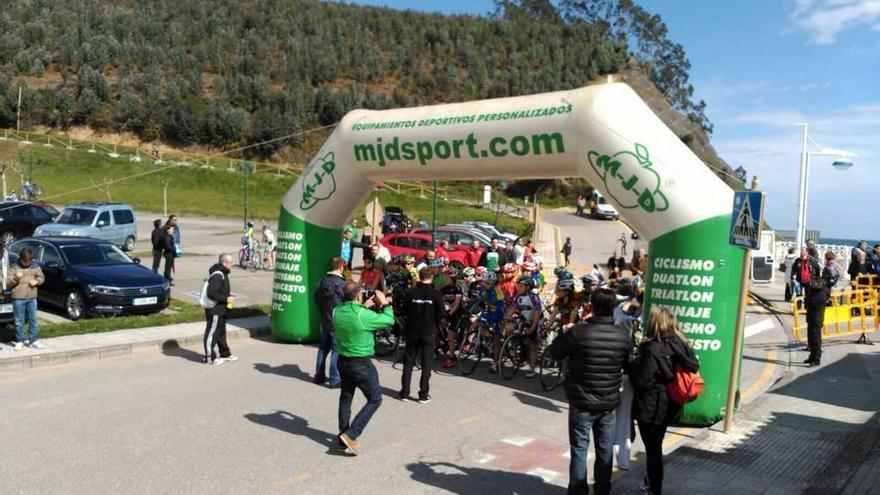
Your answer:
<point x="849" y="313"/>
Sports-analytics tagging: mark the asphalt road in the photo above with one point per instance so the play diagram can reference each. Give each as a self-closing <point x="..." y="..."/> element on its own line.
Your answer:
<point x="592" y="240"/>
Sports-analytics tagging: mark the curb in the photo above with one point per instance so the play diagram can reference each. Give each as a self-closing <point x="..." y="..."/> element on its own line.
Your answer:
<point x="110" y="351"/>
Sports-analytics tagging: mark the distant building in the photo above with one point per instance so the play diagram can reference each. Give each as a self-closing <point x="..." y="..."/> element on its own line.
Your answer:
<point x="789" y="235"/>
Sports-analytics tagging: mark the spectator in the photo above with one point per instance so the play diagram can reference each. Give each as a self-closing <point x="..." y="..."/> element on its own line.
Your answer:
<point x="491" y="257"/>
<point x="157" y="239"/>
<point x="818" y="287"/>
<point x="423" y="307"/>
<point x="662" y="349"/>
<point x="509" y="254"/>
<point x="529" y="251"/>
<point x="355" y="326"/>
<point x="566" y="250"/>
<point x="789" y="282"/>
<point x="580" y="203"/>
<point x="348" y="246"/>
<point x="859" y="266"/>
<point x="860" y="247"/>
<point x="26" y="276"/>
<point x="379" y="261"/>
<point x="812" y="250"/>
<point x="519" y="252"/>
<point x="616" y="264"/>
<point x="802" y="270"/>
<point x="381" y="252"/>
<point x="443" y="249"/>
<point x="474" y="253"/>
<point x="168" y="252"/>
<point x="875" y="259"/>
<point x="597" y="352"/>
<point x="426" y="260"/>
<point x="219" y="291"/>
<point x="175" y="235"/>
<point x="328" y="296"/>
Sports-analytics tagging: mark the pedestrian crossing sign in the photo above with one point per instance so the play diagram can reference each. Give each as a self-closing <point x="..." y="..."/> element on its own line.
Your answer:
<point x="747" y="219"/>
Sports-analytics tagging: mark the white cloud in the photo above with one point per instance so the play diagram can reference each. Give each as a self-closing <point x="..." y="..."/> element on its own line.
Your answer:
<point x="824" y="20"/>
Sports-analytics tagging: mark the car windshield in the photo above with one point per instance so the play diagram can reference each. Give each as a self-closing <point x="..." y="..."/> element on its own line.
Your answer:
<point x="94" y="254"/>
<point x="76" y="216"/>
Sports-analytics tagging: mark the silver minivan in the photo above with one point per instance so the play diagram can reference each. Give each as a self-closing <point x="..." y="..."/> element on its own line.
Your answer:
<point x="113" y="222"/>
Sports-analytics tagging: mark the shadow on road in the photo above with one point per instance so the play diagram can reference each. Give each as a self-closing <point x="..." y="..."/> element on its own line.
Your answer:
<point x="531" y="400"/>
<point x="172" y="348"/>
<point x="294" y="371"/>
<point x="295" y="425"/>
<point x="464" y="480"/>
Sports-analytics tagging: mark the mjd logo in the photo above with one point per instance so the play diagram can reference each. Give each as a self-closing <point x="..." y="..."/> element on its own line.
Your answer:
<point x="629" y="179"/>
<point x="318" y="182"/>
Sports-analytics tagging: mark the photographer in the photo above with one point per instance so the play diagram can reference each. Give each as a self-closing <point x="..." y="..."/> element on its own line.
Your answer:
<point x="356" y="323"/>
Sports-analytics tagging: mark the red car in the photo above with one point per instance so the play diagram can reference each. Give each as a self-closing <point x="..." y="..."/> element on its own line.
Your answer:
<point x="419" y="244"/>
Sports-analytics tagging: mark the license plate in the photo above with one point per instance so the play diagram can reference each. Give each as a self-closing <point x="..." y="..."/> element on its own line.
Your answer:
<point x="142" y="301"/>
<point x="5" y="308"/>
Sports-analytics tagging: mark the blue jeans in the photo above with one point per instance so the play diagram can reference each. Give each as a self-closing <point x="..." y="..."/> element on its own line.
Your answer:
<point x="358" y="373"/>
<point x="327" y="347"/>
<point x="25" y="309"/>
<point x="580" y="422"/>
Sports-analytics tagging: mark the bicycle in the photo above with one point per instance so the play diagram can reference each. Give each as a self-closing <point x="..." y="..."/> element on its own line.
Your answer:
<point x="475" y="344"/>
<point x="551" y="372"/>
<point x="258" y="260"/>
<point x="388" y="339"/>
<point x="515" y="349"/>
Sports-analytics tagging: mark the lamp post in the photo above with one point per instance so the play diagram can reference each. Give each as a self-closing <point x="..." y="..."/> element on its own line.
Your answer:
<point x="843" y="162"/>
<point x="246" y="169"/>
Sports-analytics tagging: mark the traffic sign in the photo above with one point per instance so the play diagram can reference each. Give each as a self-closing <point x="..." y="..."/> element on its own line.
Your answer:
<point x="747" y="219"/>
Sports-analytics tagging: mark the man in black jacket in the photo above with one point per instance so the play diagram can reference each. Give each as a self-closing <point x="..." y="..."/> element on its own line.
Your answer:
<point x="597" y="351"/>
<point x="423" y="306"/>
<point x="219" y="292"/>
<point x="329" y="295"/>
<point x="157" y="238"/>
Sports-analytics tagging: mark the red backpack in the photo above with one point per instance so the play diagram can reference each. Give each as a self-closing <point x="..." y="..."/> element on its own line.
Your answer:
<point x="685" y="386"/>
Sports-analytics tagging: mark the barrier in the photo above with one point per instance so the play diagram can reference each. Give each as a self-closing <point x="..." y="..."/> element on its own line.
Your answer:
<point x="849" y="313"/>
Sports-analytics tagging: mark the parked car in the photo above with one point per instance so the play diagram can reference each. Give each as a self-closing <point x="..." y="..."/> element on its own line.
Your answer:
<point x="603" y="209"/>
<point x="491" y="231"/>
<point x="51" y="210"/>
<point x="456" y="235"/>
<point x="419" y="244"/>
<point x="112" y="222"/>
<point x="395" y="220"/>
<point x="90" y="276"/>
<point x="6" y="316"/>
<point x="19" y="219"/>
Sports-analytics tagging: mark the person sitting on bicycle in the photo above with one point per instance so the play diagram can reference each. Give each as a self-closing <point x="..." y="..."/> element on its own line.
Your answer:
<point x="508" y="282"/>
<point x="527" y="305"/>
<point x="372" y="278"/>
<point x="530" y="269"/>
<point x="452" y="301"/>
<point x="564" y="308"/>
<point x="269" y="242"/>
<point x="489" y="305"/>
<point x="409" y="265"/>
<point x="399" y="280"/>
<point x="465" y="278"/>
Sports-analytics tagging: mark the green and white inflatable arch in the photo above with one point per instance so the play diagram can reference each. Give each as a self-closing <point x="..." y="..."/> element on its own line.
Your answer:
<point x="604" y="133"/>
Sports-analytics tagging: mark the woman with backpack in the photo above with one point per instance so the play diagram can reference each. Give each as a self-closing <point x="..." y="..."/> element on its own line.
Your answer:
<point x="663" y="350"/>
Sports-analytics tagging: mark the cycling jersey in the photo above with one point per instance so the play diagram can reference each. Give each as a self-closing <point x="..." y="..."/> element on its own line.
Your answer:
<point x="528" y="305"/>
<point x="450" y="292"/>
<point x="565" y="309"/>
<point x="269" y="238"/>
<point x="372" y="279"/>
<point x="493" y="299"/>
<point x="508" y="288"/>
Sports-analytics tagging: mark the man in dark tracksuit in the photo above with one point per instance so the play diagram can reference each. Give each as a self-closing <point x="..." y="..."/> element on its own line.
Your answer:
<point x="157" y="238"/>
<point x="329" y="296"/>
<point x="423" y="306"/>
<point x="219" y="292"/>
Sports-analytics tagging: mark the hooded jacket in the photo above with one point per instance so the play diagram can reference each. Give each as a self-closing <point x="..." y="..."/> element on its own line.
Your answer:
<point x="218" y="289"/>
<point x="654" y="369"/>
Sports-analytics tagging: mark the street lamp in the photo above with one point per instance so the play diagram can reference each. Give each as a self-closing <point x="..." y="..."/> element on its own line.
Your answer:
<point x="843" y="162"/>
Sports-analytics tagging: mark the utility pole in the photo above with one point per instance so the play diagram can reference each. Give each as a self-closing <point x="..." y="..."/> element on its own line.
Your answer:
<point x="165" y="183"/>
<point x="434" y="216"/>
<point x="18" y="112"/>
<point x="246" y="169"/>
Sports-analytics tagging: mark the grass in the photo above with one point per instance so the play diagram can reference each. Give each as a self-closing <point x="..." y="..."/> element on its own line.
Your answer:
<point x="183" y="312"/>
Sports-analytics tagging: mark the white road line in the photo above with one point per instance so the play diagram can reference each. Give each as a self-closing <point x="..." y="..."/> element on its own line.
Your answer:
<point x="518" y="441"/>
<point x="486" y="459"/>
<point x="545" y="474"/>
<point x="761" y="326"/>
<point x="567" y="454"/>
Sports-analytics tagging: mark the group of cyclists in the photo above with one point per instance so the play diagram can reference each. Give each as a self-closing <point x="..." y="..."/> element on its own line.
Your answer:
<point x="257" y="250"/>
<point x="487" y="306"/>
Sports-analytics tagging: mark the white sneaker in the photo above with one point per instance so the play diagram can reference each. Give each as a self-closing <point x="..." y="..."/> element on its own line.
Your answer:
<point x="218" y="361"/>
<point x="530" y="372"/>
<point x="231" y="358"/>
<point x="19" y="346"/>
<point x="37" y="345"/>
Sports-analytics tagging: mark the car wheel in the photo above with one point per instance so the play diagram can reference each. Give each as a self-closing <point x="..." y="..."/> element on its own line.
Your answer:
<point x="7" y="237"/>
<point x="74" y="304"/>
<point x="128" y="245"/>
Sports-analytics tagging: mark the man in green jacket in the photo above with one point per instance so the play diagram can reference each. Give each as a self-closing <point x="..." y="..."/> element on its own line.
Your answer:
<point x="356" y="322"/>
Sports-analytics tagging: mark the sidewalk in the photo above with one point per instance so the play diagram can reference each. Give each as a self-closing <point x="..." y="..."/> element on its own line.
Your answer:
<point x="72" y="348"/>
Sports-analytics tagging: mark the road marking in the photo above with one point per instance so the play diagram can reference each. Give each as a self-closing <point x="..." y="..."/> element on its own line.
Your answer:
<point x="567" y="454"/>
<point x="486" y="459"/>
<point x="766" y="376"/>
<point x="547" y="475"/>
<point x="518" y="441"/>
<point x="756" y="328"/>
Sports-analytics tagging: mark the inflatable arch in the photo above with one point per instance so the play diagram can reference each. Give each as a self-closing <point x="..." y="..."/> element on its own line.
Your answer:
<point x="604" y="133"/>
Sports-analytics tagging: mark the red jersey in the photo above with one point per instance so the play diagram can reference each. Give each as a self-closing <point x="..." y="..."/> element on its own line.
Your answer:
<point x="474" y="255"/>
<point x="508" y="287"/>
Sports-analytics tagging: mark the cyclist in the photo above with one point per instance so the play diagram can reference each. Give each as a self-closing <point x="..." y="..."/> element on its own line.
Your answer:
<point x="409" y="265"/>
<point x="452" y="300"/>
<point x="399" y="280"/>
<point x="564" y="308"/>
<point x="491" y="303"/>
<point x="269" y="242"/>
<point x="466" y="278"/>
<point x="530" y="269"/>
<point x="585" y="301"/>
<point x="372" y="278"/>
<point x="508" y="282"/>
<point x="527" y="305"/>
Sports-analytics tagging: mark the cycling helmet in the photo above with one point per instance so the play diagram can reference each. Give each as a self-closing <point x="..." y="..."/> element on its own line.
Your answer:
<point x="565" y="275"/>
<point x="480" y="271"/>
<point x="559" y="269"/>
<point x="528" y="281"/>
<point x="396" y="260"/>
<point x="468" y="272"/>
<point x="529" y="266"/>
<point x="489" y="277"/>
<point x="451" y="271"/>
<point x="509" y="268"/>
<point x="436" y="263"/>
<point x="538" y="260"/>
<point x="408" y="258"/>
<point x="250" y="224"/>
<point x="588" y="280"/>
<point x="566" y="284"/>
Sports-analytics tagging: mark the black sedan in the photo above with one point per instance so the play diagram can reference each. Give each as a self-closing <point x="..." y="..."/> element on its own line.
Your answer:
<point x="19" y="219"/>
<point x="89" y="276"/>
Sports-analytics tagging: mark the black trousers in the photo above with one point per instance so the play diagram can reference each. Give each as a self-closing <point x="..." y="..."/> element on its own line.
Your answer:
<point x="157" y="259"/>
<point x="815" y="322"/>
<point x="169" y="263"/>
<point x="421" y="347"/>
<point x="652" y="437"/>
<point x="215" y="336"/>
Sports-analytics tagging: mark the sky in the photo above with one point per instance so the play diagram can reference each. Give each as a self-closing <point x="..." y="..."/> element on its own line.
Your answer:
<point x="765" y="67"/>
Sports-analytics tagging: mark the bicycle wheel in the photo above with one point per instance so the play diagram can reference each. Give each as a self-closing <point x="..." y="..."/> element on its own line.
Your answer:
<point x="549" y="371"/>
<point x="242" y="258"/>
<point x="471" y="352"/>
<point x="386" y="342"/>
<point x="512" y="356"/>
<point x="254" y="262"/>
